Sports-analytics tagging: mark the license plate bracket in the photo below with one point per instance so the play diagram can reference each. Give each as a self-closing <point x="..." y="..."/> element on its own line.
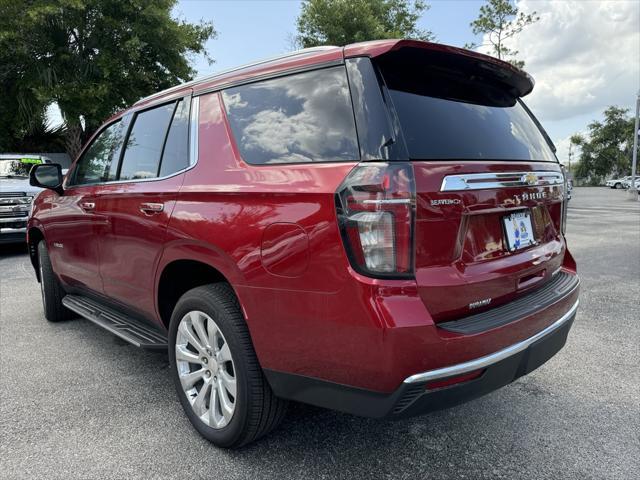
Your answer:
<point x="518" y="230"/>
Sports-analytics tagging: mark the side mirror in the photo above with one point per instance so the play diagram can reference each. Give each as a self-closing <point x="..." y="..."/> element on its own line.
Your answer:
<point x="46" y="175"/>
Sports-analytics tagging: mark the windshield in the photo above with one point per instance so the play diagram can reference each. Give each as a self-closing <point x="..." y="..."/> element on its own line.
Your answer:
<point x="17" y="167"/>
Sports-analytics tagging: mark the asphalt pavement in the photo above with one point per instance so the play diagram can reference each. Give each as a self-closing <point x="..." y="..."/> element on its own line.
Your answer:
<point x="76" y="402"/>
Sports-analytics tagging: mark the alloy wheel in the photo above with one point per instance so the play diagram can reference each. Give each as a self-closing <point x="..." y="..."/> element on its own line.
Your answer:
<point x="206" y="369"/>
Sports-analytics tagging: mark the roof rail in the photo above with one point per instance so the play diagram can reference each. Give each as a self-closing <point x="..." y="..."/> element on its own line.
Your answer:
<point x="212" y="76"/>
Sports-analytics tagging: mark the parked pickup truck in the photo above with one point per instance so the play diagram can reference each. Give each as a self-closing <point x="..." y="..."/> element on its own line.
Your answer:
<point x="16" y="195"/>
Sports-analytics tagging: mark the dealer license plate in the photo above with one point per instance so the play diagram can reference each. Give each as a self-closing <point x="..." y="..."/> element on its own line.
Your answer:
<point x="518" y="230"/>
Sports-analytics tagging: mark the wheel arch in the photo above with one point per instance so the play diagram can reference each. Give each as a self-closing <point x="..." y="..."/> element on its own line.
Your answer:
<point x="34" y="236"/>
<point x="181" y="275"/>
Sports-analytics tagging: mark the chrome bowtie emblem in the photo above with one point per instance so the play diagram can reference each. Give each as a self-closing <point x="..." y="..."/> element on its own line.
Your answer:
<point x="529" y="178"/>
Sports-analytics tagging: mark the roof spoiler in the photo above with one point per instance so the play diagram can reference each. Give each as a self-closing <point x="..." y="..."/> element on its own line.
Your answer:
<point x="473" y="64"/>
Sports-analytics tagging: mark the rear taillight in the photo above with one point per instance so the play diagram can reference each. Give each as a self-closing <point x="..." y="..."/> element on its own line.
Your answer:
<point x="375" y="206"/>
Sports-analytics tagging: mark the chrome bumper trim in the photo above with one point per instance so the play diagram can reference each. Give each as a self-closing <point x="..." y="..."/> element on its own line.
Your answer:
<point x="5" y="220"/>
<point x="4" y="230"/>
<point x="488" y="360"/>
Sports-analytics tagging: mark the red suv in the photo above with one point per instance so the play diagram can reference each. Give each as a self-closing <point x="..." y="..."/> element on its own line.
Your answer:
<point x="376" y="229"/>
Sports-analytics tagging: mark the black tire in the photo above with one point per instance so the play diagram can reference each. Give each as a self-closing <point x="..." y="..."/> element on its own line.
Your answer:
<point x="617" y="186"/>
<point x="257" y="409"/>
<point x="51" y="288"/>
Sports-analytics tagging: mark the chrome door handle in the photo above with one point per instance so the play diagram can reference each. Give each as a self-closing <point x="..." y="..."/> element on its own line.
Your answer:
<point x="87" y="206"/>
<point x="151" y="208"/>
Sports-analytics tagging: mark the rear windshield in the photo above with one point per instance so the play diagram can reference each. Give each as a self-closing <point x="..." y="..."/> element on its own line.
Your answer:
<point x="449" y="117"/>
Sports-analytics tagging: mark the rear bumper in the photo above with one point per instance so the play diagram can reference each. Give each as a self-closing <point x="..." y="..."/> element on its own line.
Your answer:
<point x="413" y="397"/>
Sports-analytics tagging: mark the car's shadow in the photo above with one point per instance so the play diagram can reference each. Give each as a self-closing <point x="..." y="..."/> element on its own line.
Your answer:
<point x="491" y="434"/>
<point x="13" y="250"/>
<point x="319" y="443"/>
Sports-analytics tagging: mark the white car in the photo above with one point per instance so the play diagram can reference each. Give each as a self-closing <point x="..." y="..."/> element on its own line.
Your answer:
<point x="619" y="182"/>
<point x="16" y="195"/>
<point x="627" y="183"/>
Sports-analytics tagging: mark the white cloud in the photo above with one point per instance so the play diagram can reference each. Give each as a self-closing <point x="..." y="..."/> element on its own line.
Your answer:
<point x="583" y="55"/>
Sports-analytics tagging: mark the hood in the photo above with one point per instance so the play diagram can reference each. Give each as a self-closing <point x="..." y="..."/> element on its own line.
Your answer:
<point x="8" y="185"/>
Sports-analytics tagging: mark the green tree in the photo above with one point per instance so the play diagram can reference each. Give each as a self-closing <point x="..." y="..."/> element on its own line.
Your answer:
<point x="607" y="148"/>
<point x="499" y="20"/>
<point x="91" y="57"/>
<point x="341" y="22"/>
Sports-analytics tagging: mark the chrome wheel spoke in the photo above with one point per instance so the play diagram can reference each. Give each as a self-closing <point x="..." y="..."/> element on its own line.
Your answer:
<point x="228" y="382"/>
<point x="214" y="417"/>
<point x="185" y="355"/>
<point x="199" y="405"/>
<point x="225" y="353"/>
<point x="212" y="329"/>
<point x="185" y="330"/>
<point x="226" y="405"/>
<point x="188" y="380"/>
<point x="198" y="326"/>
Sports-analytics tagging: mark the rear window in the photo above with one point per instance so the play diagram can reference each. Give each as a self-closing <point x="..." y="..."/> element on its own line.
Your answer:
<point x="450" y="115"/>
<point x="306" y="117"/>
<point x="176" y="148"/>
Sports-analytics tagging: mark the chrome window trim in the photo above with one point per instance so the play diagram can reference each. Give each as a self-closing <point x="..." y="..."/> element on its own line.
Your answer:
<point x="481" y="181"/>
<point x="488" y="360"/>
<point x="268" y="76"/>
<point x="207" y="78"/>
<point x="194" y="116"/>
<point x="138" y="180"/>
<point x="193" y="160"/>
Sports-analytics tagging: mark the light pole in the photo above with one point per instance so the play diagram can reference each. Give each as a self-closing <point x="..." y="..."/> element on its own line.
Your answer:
<point x="633" y="191"/>
<point x="570" y="153"/>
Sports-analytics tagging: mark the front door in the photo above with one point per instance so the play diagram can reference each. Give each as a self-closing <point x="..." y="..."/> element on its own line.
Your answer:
<point x="73" y="223"/>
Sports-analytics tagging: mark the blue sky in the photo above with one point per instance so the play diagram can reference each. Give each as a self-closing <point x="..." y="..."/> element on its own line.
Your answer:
<point x="582" y="54"/>
<point x="254" y="29"/>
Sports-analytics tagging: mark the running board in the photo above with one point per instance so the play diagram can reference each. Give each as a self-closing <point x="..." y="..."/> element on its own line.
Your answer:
<point x="133" y="331"/>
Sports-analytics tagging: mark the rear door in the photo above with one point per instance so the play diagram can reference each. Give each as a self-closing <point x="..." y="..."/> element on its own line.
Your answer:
<point x="488" y="185"/>
<point x="138" y="205"/>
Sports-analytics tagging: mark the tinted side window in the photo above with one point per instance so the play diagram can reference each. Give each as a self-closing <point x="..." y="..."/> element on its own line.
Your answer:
<point x="176" y="149"/>
<point x="144" y="144"/>
<point x="377" y="132"/>
<point x="99" y="162"/>
<point x="305" y="117"/>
